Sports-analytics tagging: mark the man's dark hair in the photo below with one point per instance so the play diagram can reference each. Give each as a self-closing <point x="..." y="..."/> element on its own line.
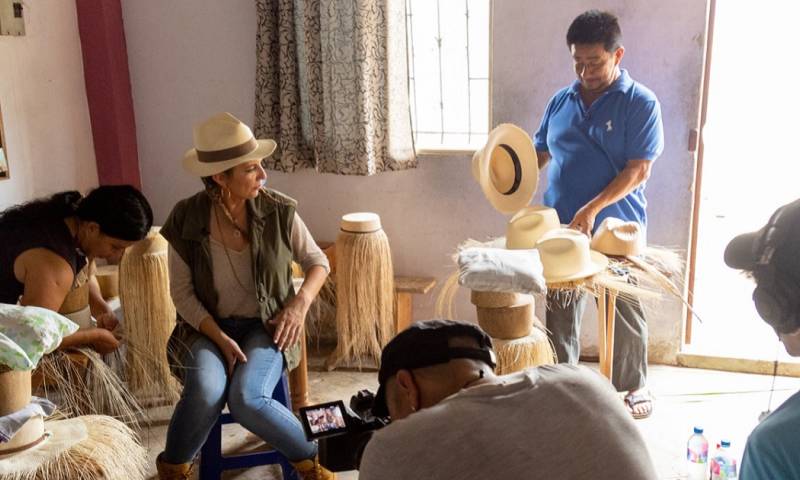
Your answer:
<point x="121" y="211"/>
<point x="593" y="27"/>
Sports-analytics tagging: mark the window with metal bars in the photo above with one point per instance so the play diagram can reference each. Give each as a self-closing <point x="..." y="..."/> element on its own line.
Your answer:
<point x="448" y="51"/>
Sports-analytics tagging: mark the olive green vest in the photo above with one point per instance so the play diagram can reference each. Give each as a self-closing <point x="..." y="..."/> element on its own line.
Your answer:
<point x="271" y="216"/>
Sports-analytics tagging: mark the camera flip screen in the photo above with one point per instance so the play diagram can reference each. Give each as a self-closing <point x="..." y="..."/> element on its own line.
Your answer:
<point x="324" y="420"/>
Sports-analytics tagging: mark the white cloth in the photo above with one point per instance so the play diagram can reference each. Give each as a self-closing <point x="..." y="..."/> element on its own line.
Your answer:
<point x="501" y="270"/>
<point x="11" y="423"/>
<point x="27" y="333"/>
<point x="551" y="422"/>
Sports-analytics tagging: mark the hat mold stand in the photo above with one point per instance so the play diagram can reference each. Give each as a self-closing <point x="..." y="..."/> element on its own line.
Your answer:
<point x="149" y="318"/>
<point x="364" y="291"/>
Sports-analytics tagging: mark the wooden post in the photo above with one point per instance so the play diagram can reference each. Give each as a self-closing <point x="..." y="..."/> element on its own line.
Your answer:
<point x="298" y="378"/>
<point x="610" y="319"/>
<point x="602" y="343"/>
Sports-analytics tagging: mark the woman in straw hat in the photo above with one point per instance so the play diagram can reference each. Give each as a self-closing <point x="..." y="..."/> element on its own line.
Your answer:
<point x="239" y="320"/>
<point x="48" y="244"/>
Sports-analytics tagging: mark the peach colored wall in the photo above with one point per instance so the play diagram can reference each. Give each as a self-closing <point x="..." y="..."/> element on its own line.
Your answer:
<point x="43" y="102"/>
<point x="191" y="58"/>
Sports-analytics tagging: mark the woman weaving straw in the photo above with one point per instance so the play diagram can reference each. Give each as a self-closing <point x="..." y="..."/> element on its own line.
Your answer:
<point x="231" y="249"/>
<point x="48" y="244"/>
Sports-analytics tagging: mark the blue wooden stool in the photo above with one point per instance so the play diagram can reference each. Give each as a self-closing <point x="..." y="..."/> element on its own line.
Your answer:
<point x="213" y="463"/>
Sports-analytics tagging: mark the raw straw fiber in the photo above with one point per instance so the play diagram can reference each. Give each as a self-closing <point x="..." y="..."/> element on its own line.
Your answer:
<point x="91" y="447"/>
<point x="364" y="297"/>
<point x="86" y="386"/>
<point x="321" y="317"/>
<point x="526" y="352"/>
<point x="149" y="317"/>
<point x="445" y="301"/>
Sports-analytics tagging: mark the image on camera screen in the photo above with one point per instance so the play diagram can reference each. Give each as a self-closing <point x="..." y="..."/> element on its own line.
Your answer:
<point x="324" y="419"/>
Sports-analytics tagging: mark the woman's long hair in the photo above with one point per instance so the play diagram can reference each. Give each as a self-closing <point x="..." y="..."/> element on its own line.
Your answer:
<point x="121" y="211"/>
<point x="56" y="207"/>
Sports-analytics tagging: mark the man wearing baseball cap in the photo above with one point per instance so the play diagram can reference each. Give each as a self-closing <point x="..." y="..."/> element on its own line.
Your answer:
<point x="453" y="418"/>
<point x="771" y="256"/>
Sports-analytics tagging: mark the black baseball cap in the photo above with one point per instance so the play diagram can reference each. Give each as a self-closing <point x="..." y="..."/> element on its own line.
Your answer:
<point x="425" y="344"/>
<point x="775" y="244"/>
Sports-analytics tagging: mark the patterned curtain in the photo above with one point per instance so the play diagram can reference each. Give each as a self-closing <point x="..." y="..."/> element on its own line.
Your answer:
<point x="332" y="85"/>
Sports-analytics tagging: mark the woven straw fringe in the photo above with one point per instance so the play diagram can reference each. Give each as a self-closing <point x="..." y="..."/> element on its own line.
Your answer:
<point x="110" y="451"/>
<point x="526" y="352"/>
<point x="149" y="317"/>
<point x="364" y="297"/>
<point x="321" y="317"/>
<point x="95" y="390"/>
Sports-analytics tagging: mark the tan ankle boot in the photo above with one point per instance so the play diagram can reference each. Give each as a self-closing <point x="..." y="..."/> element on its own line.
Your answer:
<point x="312" y="470"/>
<point x="173" y="471"/>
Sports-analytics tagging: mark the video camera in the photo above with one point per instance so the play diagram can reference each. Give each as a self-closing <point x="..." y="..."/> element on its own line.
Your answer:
<point x="342" y="433"/>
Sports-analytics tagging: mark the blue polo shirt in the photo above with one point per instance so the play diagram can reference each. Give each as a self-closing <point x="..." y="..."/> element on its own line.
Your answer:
<point x="590" y="147"/>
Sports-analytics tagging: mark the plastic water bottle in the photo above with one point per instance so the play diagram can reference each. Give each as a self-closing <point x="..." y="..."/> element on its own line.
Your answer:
<point x="723" y="464"/>
<point x="697" y="455"/>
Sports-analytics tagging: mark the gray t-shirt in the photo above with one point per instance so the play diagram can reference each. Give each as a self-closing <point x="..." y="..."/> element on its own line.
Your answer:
<point x="551" y="422"/>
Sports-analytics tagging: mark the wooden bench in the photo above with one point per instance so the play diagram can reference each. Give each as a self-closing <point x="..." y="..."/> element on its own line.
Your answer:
<point x="404" y="288"/>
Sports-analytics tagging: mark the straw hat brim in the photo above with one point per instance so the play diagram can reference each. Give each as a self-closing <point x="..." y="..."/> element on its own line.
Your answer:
<point x="60" y="436"/>
<point x="517" y="140"/>
<point x="597" y="264"/>
<point x="205" y="169"/>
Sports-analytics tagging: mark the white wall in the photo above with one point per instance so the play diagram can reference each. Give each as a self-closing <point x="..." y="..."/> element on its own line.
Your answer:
<point x="43" y="102"/>
<point x="190" y="58"/>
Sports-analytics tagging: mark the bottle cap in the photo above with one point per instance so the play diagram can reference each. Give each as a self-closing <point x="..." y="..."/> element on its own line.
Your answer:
<point x="698" y="430"/>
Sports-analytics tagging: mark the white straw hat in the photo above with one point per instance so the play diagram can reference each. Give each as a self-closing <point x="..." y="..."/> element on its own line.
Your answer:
<point x="506" y="168"/>
<point x="528" y="225"/>
<point x="566" y="256"/>
<point x="618" y="237"/>
<point x="222" y="142"/>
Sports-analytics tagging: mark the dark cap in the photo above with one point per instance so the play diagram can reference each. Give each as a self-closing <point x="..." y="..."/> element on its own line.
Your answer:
<point x="425" y="344"/>
<point x="775" y="244"/>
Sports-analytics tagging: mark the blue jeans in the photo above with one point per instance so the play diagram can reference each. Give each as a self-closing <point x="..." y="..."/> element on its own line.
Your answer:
<point x="248" y="393"/>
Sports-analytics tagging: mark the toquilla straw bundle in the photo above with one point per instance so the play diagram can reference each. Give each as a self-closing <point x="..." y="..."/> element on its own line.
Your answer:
<point x="364" y="290"/>
<point x="149" y="317"/>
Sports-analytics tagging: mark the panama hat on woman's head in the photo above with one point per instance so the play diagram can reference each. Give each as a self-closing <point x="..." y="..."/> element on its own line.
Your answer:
<point x="222" y="142"/>
<point x="507" y="168"/>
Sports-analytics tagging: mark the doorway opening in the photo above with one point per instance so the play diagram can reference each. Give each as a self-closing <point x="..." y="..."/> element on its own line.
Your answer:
<point x="749" y="166"/>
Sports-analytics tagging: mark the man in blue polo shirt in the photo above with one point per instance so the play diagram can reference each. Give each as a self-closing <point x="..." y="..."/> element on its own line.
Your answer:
<point x="600" y="137"/>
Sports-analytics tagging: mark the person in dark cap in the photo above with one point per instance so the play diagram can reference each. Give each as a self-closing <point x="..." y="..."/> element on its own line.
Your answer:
<point x="770" y="256"/>
<point x="452" y="417"/>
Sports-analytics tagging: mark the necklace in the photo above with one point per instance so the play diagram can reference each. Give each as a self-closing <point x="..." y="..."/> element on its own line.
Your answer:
<point x="238" y="231"/>
<point x="227" y="254"/>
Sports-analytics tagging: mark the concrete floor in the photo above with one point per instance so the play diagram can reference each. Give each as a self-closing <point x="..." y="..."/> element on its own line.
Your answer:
<point x="726" y="404"/>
